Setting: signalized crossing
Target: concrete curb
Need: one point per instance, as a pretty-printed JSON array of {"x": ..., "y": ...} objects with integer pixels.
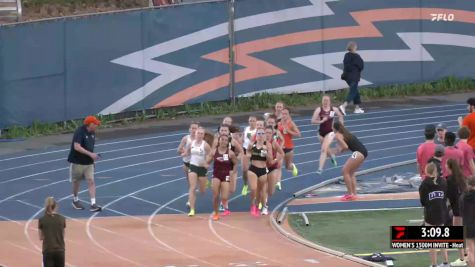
[{"x": 310, "y": 244}]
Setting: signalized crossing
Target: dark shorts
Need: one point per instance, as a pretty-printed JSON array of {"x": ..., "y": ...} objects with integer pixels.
[
  {"x": 454, "y": 205},
  {"x": 53, "y": 259},
  {"x": 272, "y": 168},
  {"x": 469, "y": 231},
  {"x": 288, "y": 150},
  {"x": 200, "y": 171},
  {"x": 323, "y": 134},
  {"x": 187, "y": 164},
  {"x": 258, "y": 171},
  {"x": 223, "y": 177}
]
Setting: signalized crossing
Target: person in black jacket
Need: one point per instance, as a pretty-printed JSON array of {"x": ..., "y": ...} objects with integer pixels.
[
  {"x": 467, "y": 209},
  {"x": 352, "y": 66},
  {"x": 433, "y": 195},
  {"x": 456, "y": 185}
]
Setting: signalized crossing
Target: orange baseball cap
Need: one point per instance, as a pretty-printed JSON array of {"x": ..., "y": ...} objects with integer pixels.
[{"x": 91, "y": 119}]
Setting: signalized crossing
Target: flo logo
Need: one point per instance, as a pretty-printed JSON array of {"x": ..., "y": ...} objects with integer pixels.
[{"x": 443, "y": 17}]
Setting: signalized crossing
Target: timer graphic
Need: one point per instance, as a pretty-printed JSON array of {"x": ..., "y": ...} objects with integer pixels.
[{"x": 427, "y": 237}]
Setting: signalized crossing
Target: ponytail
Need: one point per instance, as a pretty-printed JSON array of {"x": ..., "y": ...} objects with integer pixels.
[
  {"x": 431, "y": 170},
  {"x": 454, "y": 167},
  {"x": 50, "y": 205},
  {"x": 338, "y": 126}
]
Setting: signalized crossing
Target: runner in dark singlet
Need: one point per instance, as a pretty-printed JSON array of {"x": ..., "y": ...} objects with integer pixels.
[
  {"x": 225, "y": 162},
  {"x": 279, "y": 139},
  {"x": 324, "y": 116},
  {"x": 257, "y": 173},
  {"x": 274, "y": 166},
  {"x": 347, "y": 141}
]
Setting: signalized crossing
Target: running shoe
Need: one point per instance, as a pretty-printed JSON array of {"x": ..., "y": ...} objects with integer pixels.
[
  {"x": 333, "y": 160},
  {"x": 319, "y": 172},
  {"x": 278, "y": 185},
  {"x": 264, "y": 210},
  {"x": 191, "y": 213},
  {"x": 215, "y": 216},
  {"x": 346, "y": 197},
  {"x": 244, "y": 190},
  {"x": 295, "y": 171},
  {"x": 77, "y": 205},
  {"x": 458, "y": 262},
  {"x": 256, "y": 211},
  {"x": 444, "y": 265},
  {"x": 359, "y": 111},
  {"x": 226, "y": 212},
  {"x": 221, "y": 207},
  {"x": 342, "y": 109},
  {"x": 260, "y": 206},
  {"x": 95, "y": 208}
]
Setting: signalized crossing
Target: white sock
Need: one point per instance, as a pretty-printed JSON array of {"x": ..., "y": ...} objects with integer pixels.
[
  {"x": 76, "y": 198},
  {"x": 93, "y": 200}
]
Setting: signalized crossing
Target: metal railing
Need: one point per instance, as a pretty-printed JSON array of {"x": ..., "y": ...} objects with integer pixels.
[{"x": 6, "y": 11}]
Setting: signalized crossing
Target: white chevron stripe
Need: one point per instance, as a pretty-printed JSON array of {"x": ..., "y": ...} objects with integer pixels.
[{"x": 169, "y": 73}]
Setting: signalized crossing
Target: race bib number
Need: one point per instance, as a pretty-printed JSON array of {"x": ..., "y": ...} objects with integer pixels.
[
  {"x": 227, "y": 178},
  {"x": 332, "y": 114},
  {"x": 263, "y": 153},
  {"x": 354, "y": 155},
  {"x": 225, "y": 157}
]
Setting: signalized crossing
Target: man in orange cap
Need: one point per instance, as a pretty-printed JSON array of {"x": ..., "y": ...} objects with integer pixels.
[{"x": 82, "y": 158}]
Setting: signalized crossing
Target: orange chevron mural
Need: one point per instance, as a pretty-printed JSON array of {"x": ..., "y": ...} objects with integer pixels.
[{"x": 256, "y": 68}]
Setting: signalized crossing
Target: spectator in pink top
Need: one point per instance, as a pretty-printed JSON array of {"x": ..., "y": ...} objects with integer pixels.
[
  {"x": 451, "y": 152},
  {"x": 468, "y": 166},
  {"x": 426, "y": 150}
]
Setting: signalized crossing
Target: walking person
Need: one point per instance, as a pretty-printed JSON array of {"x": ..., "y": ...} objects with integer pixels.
[
  {"x": 433, "y": 197},
  {"x": 347, "y": 141},
  {"x": 198, "y": 151},
  {"x": 81, "y": 158},
  {"x": 51, "y": 232},
  {"x": 467, "y": 209},
  {"x": 456, "y": 185},
  {"x": 224, "y": 163},
  {"x": 353, "y": 64},
  {"x": 324, "y": 116}
]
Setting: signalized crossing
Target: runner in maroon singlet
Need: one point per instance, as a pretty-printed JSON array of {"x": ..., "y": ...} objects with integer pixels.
[
  {"x": 324, "y": 116},
  {"x": 225, "y": 162}
]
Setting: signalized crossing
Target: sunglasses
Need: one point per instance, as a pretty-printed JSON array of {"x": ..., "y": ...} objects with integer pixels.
[{"x": 260, "y": 133}]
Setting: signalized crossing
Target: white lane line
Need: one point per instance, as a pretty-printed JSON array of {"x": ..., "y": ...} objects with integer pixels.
[
  {"x": 153, "y": 235},
  {"x": 355, "y": 210},
  {"x": 183, "y": 133},
  {"x": 10, "y": 220},
  {"x": 137, "y": 164},
  {"x": 350, "y": 126},
  {"x": 296, "y": 139}
]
